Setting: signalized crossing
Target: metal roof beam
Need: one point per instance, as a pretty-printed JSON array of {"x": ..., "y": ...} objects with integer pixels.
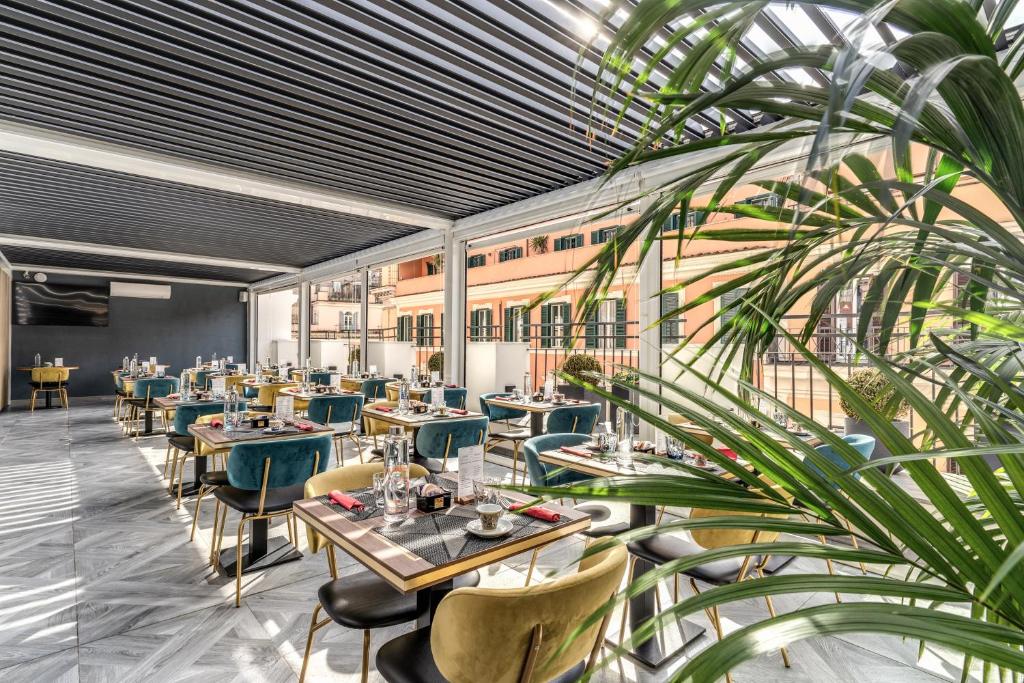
[{"x": 118, "y": 275}]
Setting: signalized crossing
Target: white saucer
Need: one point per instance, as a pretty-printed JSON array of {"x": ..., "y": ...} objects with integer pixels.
[
  {"x": 504, "y": 527},
  {"x": 271, "y": 430}
]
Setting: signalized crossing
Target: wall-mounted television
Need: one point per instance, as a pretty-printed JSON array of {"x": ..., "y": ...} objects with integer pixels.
[{"x": 41, "y": 303}]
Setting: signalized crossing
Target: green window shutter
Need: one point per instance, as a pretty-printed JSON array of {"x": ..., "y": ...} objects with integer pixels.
[
  {"x": 669, "y": 328},
  {"x": 566, "y": 324},
  {"x": 545, "y": 326},
  {"x": 509, "y": 317},
  {"x": 474, "y": 325},
  {"x": 595, "y": 237},
  {"x": 590, "y": 331},
  {"x": 620, "y": 323},
  {"x": 525, "y": 314},
  {"x": 441, "y": 342},
  {"x": 485, "y": 325},
  {"x": 728, "y": 299}
]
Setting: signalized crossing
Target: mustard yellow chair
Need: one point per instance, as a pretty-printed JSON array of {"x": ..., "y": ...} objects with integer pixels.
[
  {"x": 268, "y": 393},
  {"x": 372, "y": 427},
  {"x": 363, "y": 601},
  {"x": 50, "y": 380},
  {"x": 391, "y": 390},
  {"x": 236, "y": 381},
  {"x": 510, "y": 635}
]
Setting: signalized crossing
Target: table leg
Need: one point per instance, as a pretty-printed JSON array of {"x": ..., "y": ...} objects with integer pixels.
[
  {"x": 49, "y": 401},
  {"x": 261, "y": 552},
  {"x": 536, "y": 423},
  {"x": 428, "y": 599},
  {"x": 199, "y": 465},
  {"x": 676, "y": 636},
  {"x": 148, "y": 427}
]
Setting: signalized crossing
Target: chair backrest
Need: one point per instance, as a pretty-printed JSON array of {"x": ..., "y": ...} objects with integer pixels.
[
  {"x": 377, "y": 426},
  {"x": 504, "y": 625},
  {"x": 392, "y": 391},
  {"x": 864, "y": 444},
  {"x": 155, "y": 386},
  {"x": 496, "y": 413},
  {"x": 455, "y": 397},
  {"x": 235, "y": 381},
  {"x": 321, "y": 378},
  {"x": 268, "y": 392},
  {"x": 573, "y": 419},
  {"x": 187, "y": 413},
  {"x": 233, "y": 366},
  {"x": 291, "y": 462},
  {"x": 348, "y": 478},
  {"x": 435, "y": 439},
  {"x": 203, "y": 378},
  {"x": 374, "y": 389},
  {"x": 50, "y": 375},
  {"x": 334, "y": 409},
  {"x": 540, "y": 473}
]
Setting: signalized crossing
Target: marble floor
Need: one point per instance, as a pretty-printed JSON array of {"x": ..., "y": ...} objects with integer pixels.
[{"x": 99, "y": 582}]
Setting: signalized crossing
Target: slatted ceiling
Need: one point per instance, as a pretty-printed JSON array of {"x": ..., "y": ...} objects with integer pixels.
[
  {"x": 64, "y": 259},
  {"x": 57, "y": 200}
]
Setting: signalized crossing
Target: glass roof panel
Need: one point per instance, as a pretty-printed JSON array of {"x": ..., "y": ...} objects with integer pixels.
[{"x": 797, "y": 21}]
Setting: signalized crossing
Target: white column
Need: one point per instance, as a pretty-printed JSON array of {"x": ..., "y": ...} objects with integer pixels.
[
  {"x": 454, "y": 309},
  {"x": 364, "y": 314},
  {"x": 304, "y": 297},
  {"x": 648, "y": 286},
  {"x": 251, "y": 331}
]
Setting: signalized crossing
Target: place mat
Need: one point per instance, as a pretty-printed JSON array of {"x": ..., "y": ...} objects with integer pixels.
[
  {"x": 441, "y": 538},
  {"x": 364, "y": 496},
  {"x": 250, "y": 434}
]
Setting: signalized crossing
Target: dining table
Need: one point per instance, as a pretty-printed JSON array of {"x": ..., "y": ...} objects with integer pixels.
[
  {"x": 659, "y": 651},
  {"x": 46, "y": 394},
  {"x": 302, "y": 397},
  {"x": 416, "y": 393},
  {"x": 536, "y": 409},
  {"x": 260, "y": 552},
  {"x": 427, "y": 551}
]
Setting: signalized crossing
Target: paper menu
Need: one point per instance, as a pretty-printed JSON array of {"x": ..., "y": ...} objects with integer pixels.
[
  {"x": 152, "y": 361},
  {"x": 58, "y": 362},
  {"x": 284, "y": 407},
  {"x": 218, "y": 385},
  {"x": 471, "y": 468}
]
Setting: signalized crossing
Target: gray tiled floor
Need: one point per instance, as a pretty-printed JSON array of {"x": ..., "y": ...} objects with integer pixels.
[{"x": 99, "y": 582}]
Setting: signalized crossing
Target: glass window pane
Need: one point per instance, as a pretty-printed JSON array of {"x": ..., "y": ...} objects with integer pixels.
[{"x": 277, "y": 327}]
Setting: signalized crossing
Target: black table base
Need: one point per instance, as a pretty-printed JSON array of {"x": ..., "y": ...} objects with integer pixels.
[
  {"x": 665, "y": 646},
  {"x": 536, "y": 423},
  {"x": 192, "y": 488},
  {"x": 428, "y": 599},
  {"x": 260, "y": 552}
]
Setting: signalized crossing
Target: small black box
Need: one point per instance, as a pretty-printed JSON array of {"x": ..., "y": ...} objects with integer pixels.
[{"x": 435, "y": 503}]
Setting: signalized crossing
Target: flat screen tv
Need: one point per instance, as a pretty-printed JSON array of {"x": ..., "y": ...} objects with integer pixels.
[{"x": 40, "y": 303}]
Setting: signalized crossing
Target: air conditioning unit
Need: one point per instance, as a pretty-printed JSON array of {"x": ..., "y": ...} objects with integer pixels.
[{"x": 138, "y": 290}]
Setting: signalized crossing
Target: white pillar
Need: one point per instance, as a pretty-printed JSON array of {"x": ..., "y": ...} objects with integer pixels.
[
  {"x": 454, "y": 309},
  {"x": 364, "y": 312},
  {"x": 648, "y": 286},
  {"x": 251, "y": 331},
  {"x": 304, "y": 297}
]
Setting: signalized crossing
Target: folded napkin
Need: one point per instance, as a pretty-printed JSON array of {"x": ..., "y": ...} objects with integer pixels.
[
  {"x": 575, "y": 451},
  {"x": 304, "y": 426},
  {"x": 384, "y": 409},
  {"x": 173, "y": 395},
  {"x": 345, "y": 501},
  {"x": 458, "y": 411},
  {"x": 728, "y": 452},
  {"x": 538, "y": 512},
  {"x": 216, "y": 423},
  {"x": 451, "y": 386}
]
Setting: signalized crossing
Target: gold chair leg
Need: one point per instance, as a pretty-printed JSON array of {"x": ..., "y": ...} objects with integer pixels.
[
  {"x": 515, "y": 462},
  {"x": 32, "y": 409},
  {"x": 855, "y": 544},
  {"x": 625, "y": 604},
  {"x": 238, "y": 563},
  {"x": 174, "y": 470},
  {"x": 288, "y": 525},
  {"x": 771, "y": 612},
  {"x": 366, "y": 655},
  {"x": 831, "y": 569},
  {"x": 195, "y": 519},
  {"x": 181, "y": 481},
  {"x": 314, "y": 626},
  {"x": 533, "y": 563},
  {"x": 220, "y": 514}
]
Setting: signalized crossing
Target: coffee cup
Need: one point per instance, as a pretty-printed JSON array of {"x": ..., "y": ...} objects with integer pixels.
[{"x": 489, "y": 514}]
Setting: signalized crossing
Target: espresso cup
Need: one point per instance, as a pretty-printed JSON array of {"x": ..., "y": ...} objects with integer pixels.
[{"x": 489, "y": 515}]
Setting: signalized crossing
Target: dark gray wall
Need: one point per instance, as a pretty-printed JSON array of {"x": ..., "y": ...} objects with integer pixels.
[{"x": 196, "y": 320}]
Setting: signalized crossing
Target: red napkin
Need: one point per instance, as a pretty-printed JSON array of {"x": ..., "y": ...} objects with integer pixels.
[
  {"x": 575, "y": 451},
  {"x": 173, "y": 395},
  {"x": 458, "y": 411},
  {"x": 216, "y": 423},
  {"x": 728, "y": 452},
  {"x": 538, "y": 512},
  {"x": 384, "y": 409},
  {"x": 345, "y": 501},
  {"x": 304, "y": 426},
  {"x": 451, "y": 386}
]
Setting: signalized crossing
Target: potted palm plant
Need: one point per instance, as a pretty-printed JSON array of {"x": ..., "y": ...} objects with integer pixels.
[
  {"x": 880, "y": 393},
  {"x": 435, "y": 363},
  {"x": 582, "y": 368}
]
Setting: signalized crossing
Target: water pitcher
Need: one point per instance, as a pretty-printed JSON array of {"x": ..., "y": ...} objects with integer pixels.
[
  {"x": 396, "y": 476},
  {"x": 403, "y": 397}
]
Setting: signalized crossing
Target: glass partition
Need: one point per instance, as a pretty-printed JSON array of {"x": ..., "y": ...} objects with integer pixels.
[
  {"x": 335, "y": 321},
  {"x": 277, "y": 327}
]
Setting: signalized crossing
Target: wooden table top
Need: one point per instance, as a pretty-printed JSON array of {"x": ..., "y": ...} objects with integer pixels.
[
  {"x": 409, "y": 572},
  {"x": 30, "y": 368},
  {"x": 256, "y": 382},
  {"x": 219, "y": 439},
  {"x": 534, "y": 407},
  {"x": 297, "y": 392},
  {"x": 166, "y": 402},
  {"x": 597, "y": 466},
  {"x": 412, "y": 390},
  {"x": 806, "y": 436},
  {"x": 411, "y": 419}
]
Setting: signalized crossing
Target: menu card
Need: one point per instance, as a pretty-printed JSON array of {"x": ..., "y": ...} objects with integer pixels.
[
  {"x": 437, "y": 396},
  {"x": 218, "y": 385},
  {"x": 231, "y": 359},
  {"x": 336, "y": 380},
  {"x": 152, "y": 361},
  {"x": 471, "y": 468},
  {"x": 58, "y": 362},
  {"x": 284, "y": 407},
  {"x": 435, "y": 376}
]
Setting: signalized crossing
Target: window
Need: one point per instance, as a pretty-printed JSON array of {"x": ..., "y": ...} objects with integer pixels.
[
  {"x": 480, "y": 325},
  {"x": 347, "y": 321},
  {"x": 603, "y": 235},
  {"x": 693, "y": 218},
  {"x": 435, "y": 264},
  {"x": 510, "y": 254},
  {"x": 671, "y": 223},
  {"x": 671, "y": 329},
  {"x": 517, "y": 324},
  {"x": 726, "y": 304},
  {"x": 476, "y": 260},
  {"x": 555, "y": 325},
  {"x": 568, "y": 242},
  {"x": 606, "y": 328},
  {"x": 425, "y": 329},
  {"x": 403, "y": 329},
  {"x": 768, "y": 200}
]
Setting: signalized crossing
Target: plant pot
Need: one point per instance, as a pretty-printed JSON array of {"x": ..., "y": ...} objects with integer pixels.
[
  {"x": 571, "y": 391},
  {"x": 861, "y": 427},
  {"x": 626, "y": 395}
]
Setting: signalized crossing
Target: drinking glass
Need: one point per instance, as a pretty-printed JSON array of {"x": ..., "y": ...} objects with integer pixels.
[
  {"x": 780, "y": 419},
  {"x": 673, "y": 448},
  {"x": 378, "y": 488}
]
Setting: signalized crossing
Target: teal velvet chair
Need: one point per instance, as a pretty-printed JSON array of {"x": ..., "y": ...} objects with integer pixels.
[
  {"x": 573, "y": 419},
  {"x": 864, "y": 444},
  {"x": 144, "y": 391},
  {"x": 343, "y": 413},
  {"x": 233, "y": 366},
  {"x": 203, "y": 378},
  {"x": 264, "y": 479},
  {"x": 542, "y": 474},
  {"x": 374, "y": 389},
  {"x": 321, "y": 378},
  {"x": 442, "y": 440},
  {"x": 455, "y": 397},
  {"x": 250, "y": 391},
  {"x": 507, "y": 415}
]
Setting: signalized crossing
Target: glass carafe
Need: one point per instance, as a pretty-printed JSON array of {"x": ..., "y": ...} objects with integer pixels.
[
  {"x": 403, "y": 397},
  {"x": 624, "y": 430},
  {"x": 396, "y": 476},
  {"x": 185, "y": 385}
]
